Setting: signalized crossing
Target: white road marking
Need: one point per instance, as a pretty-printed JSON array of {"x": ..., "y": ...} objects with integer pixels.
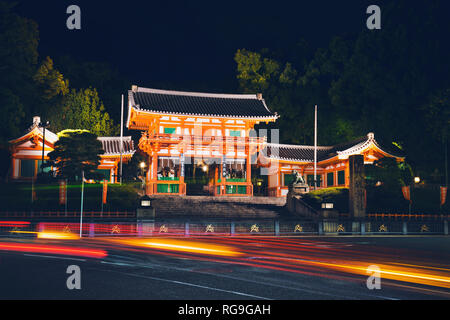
[
  {"x": 300, "y": 289},
  {"x": 52, "y": 257},
  {"x": 194, "y": 285}
]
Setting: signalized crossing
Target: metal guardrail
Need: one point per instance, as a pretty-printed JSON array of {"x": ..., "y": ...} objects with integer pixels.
[
  {"x": 251, "y": 228},
  {"x": 68, "y": 214}
]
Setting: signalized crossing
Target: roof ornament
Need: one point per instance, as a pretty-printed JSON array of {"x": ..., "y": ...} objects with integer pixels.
[
  {"x": 36, "y": 121},
  {"x": 371, "y": 136}
]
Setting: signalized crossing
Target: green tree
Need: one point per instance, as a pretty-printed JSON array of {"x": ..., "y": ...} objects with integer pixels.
[
  {"x": 12, "y": 114},
  {"x": 19, "y": 38},
  {"x": 392, "y": 174},
  {"x": 437, "y": 114},
  {"x": 254, "y": 70},
  {"x": 50, "y": 81},
  {"x": 83, "y": 109},
  {"x": 100, "y": 75},
  {"x": 132, "y": 170},
  {"x": 368, "y": 82},
  {"x": 76, "y": 151},
  {"x": 293, "y": 90}
]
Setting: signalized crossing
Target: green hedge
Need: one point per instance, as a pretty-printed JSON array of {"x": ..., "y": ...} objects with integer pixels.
[
  {"x": 425, "y": 200},
  {"x": 338, "y": 196},
  {"x": 17, "y": 197}
]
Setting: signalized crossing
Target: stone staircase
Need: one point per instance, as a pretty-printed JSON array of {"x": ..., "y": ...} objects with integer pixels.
[{"x": 218, "y": 207}]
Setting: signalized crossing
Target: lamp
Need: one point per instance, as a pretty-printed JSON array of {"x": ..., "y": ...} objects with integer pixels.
[
  {"x": 327, "y": 205},
  {"x": 145, "y": 202},
  {"x": 145, "y": 209}
]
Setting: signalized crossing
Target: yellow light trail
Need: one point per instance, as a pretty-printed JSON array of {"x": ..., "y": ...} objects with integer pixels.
[
  {"x": 406, "y": 275},
  {"x": 51, "y": 235},
  {"x": 181, "y": 245}
]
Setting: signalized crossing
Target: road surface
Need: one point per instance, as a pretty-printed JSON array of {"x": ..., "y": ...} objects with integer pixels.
[{"x": 226, "y": 268}]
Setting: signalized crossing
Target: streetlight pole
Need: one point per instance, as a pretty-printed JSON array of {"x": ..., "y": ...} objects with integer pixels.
[
  {"x": 81, "y": 210},
  {"x": 446, "y": 158},
  {"x": 121, "y": 140},
  {"x": 315, "y": 147},
  {"x": 43, "y": 126}
]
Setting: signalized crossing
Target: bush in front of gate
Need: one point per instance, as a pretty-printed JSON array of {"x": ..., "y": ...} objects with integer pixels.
[
  {"x": 337, "y": 195},
  {"x": 425, "y": 200},
  {"x": 17, "y": 197}
]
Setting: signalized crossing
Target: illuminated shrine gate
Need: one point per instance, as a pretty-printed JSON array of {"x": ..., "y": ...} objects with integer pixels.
[{"x": 181, "y": 128}]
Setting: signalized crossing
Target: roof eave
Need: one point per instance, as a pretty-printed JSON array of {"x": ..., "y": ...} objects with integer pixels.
[{"x": 257, "y": 118}]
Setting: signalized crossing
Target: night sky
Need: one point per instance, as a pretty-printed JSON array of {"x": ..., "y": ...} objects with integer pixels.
[{"x": 187, "y": 41}]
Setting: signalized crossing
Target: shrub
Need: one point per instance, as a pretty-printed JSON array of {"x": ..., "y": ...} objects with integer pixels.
[
  {"x": 17, "y": 197},
  {"x": 338, "y": 196}
]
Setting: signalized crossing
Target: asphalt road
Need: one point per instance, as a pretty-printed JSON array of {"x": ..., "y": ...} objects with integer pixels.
[{"x": 233, "y": 268}]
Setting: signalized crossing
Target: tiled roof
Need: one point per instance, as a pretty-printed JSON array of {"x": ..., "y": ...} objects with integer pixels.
[
  {"x": 194, "y": 103},
  {"x": 111, "y": 145},
  {"x": 306, "y": 153},
  {"x": 295, "y": 152}
]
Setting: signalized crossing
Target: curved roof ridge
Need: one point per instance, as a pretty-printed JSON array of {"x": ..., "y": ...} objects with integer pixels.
[
  {"x": 179, "y": 103},
  {"x": 298, "y": 146},
  {"x": 114, "y": 138},
  {"x": 198, "y": 94}
]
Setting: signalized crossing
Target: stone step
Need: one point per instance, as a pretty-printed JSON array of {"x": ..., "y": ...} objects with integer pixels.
[{"x": 206, "y": 206}]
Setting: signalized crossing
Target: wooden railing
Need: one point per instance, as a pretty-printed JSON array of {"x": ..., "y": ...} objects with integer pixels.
[
  {"x": 402, "y": 216},
  {"x": 176, "y": 138},
  {"x": 152, "y": 187}
]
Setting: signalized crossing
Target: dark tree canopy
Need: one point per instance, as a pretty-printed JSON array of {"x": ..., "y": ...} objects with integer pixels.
[
  {"x": 82, "y": 109},
  {"x": 394, "y": 82},
  {"x": 76, "y": 151},
  {"x": 19, "y": 38}
]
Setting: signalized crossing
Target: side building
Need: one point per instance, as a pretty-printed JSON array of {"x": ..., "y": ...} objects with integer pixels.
[
  {"x": 332, "y": 162},
  {"x": 26, "y": 153}
]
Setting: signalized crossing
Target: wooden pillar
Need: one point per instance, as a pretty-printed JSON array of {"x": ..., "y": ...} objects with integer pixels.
[
  {"x": 222, "y": 178},
  {"x": 181, "y": 187},
  {"x": 216, "y": 177},
  {"x": 356, "y": 197},
  {"x": 224, "y": 152},
  {"x": 249, "y": 172},
  {"x": 152, "y": 174},
  {"x": 182, "y": 159},
  {"x": 155, "y": 167},
  {"x": 279, "y": 180},
  {"x": 347, "y": 174},
  {"x": 148, "y": 178},
  {"x": 13, "y": 166}
]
